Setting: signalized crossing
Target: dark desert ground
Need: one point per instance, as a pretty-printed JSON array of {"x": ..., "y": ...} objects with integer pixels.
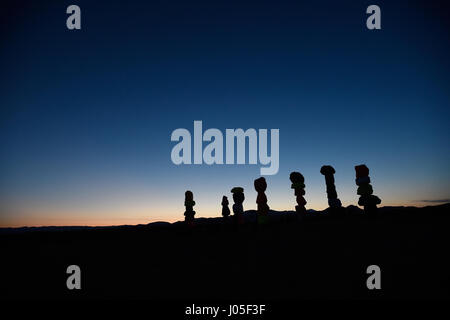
[{"x": 321, "y": 256}]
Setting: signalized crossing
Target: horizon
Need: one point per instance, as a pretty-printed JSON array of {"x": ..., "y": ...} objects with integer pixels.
[{"x": 146, "y": 222}]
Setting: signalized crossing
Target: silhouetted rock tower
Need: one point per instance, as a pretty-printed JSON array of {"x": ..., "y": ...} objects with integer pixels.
[
  {"x": 366, "y": 199},
  {"x": 225, "y": 209},
  {"x": 189, "y": 203},
  {"x": 261, "y": 199},
  {"x": 238, "y": 198},
  {"x": 298, "y": 184},
  {"x": 333, "y": 201}
]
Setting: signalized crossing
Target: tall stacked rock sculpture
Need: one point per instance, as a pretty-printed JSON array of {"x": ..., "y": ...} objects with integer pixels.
[
  {"x": 238, "y": 198},
  {"x": 261, "y": 200},
  {"x": 365, "y": 190},
  {"x": 333, "y": 201},
  {"x": 298, "y": 184},
  {"x": 225, "y": 209},
  {"x": 189, "y": 203}
]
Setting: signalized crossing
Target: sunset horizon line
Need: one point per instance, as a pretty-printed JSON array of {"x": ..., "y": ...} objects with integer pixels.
[{"x": 428, "y": 203}]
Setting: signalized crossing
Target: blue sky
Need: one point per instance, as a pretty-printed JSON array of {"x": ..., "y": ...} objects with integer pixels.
[{"x": 86, "y": 115}]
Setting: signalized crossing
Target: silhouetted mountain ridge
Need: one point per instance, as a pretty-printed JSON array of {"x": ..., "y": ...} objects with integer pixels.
[{"x": 249, "y": 217}]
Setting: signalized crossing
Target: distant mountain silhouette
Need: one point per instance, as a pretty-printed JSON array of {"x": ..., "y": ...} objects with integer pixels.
[{"x": 249, "y": 217}]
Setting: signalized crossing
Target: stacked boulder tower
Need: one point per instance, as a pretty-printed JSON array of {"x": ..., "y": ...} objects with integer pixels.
[
  {"x": 298, "y": 184},
  {"x": 225, "y": 209},
  {"x": 189, "y": 203},
  {"x": 365, "y": 190},
  {"x": 333, "y": 200},
  {"x": 238, "y": 208},
  {"x": 261, "y": 200}
]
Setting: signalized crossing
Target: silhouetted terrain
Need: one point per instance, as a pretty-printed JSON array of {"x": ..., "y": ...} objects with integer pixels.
[{"x": 322, "y": 256}]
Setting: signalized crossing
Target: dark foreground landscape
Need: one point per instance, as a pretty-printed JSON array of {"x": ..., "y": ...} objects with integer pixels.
[{"x": 321, "y": 256}]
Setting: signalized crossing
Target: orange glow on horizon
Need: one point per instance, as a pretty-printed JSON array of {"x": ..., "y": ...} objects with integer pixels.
[{"x": 136, "y": 217}]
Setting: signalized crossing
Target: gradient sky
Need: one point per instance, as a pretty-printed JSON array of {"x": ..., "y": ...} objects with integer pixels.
[{"x": 86, "y": 116}]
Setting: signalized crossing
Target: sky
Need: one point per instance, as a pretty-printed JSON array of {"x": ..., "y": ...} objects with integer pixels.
[{"x": 86, "y": 115}]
